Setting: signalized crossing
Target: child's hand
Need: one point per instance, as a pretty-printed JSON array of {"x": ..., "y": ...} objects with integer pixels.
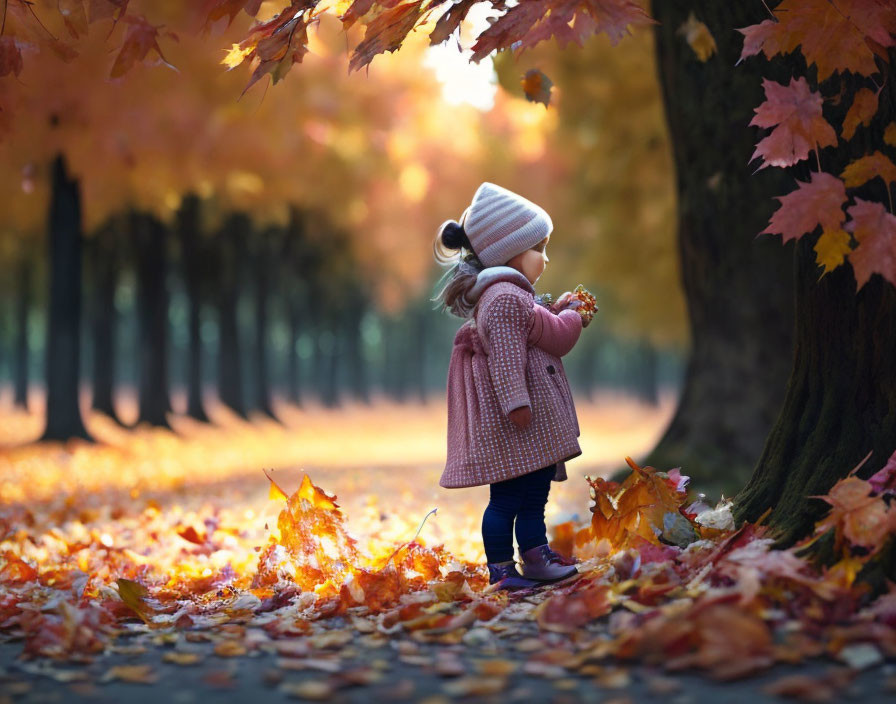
[
  {"x": 521, "y": 416},
  {"x": 564, "y": 301}
]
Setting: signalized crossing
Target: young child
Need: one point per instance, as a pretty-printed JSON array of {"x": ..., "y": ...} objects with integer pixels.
[{"x": 511, "y": 419}]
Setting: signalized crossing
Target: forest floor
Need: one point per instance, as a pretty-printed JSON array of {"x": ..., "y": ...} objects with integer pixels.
[{"x": 194, "y": 506}]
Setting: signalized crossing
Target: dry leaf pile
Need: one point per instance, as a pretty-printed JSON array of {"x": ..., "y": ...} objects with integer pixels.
[{"x": 661, "y": 581}]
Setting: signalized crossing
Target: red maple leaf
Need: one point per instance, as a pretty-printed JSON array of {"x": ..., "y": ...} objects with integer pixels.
[
  {"x": 795, "y": 113},
  {"x": 875, "y": 230},
  {"x": 532, "y": 21},
  {"x": 818, "y": 202},
  {"x": 141, "y": 38}
]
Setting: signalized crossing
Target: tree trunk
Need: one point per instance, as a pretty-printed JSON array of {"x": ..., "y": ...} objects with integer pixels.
[
  {"x": 841, "y": 397},
  {"x": 262, "y": 266},
  {"x": 354, "y": 357},
  {"x": 645, "y": 377},
  {"x": 104, "y": 266},
  {"x": 231, "y": 250},
  {"x": 149, "y": 237},
  {"x": 21, "y": 356},
  {"x": 191, "y": 251},
  {"x": 293, "y": 373},
  {"x": 741, "y": 332},
  {"x": 64, "y": 316}
]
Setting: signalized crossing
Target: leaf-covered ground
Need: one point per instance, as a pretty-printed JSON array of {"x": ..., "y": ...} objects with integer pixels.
[{"x": 106, "y": 579}]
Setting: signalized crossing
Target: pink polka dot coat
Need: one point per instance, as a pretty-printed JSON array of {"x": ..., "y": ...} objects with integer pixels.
[{"x": 507, "y": 356}]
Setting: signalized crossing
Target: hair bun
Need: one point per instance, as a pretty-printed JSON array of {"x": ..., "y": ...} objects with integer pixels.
[{"x": 453, "y": 235}]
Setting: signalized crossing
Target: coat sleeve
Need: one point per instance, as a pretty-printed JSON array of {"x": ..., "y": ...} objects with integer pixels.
[
  {"x": 506, "y": 326},
  {"x": 555, "y": 334}
]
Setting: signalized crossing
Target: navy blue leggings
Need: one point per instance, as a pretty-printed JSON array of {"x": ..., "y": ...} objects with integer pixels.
[{"x": 521, "y": 498}]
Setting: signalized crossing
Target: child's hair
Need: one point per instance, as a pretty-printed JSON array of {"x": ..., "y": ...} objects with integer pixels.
[{"x": 452, "y": 246}]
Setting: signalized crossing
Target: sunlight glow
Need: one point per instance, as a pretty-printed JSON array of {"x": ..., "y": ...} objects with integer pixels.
[{"x": 464, "y": 82}]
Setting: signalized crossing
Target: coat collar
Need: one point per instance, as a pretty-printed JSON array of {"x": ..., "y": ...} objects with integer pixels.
[{"x": 494, "y": 274}]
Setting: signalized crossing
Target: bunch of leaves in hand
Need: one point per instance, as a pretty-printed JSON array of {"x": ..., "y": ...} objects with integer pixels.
[{"x": 588, "y": 306}]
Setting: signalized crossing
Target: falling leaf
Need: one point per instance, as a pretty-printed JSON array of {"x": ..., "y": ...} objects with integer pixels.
[
  {"x": 698, "y": 37},
  {"x": 794, "y": 111},
  {"x": 537, "y": 87},
  {"x": 10, "y": 57},
  {"x": 74, "y": 16},
  {"x": 832, "y": 248},
  {"x": 884, "y": 480}
]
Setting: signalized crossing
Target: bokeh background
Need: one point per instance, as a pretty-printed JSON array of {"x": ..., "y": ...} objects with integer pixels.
[{"x": 257, "y": 268}]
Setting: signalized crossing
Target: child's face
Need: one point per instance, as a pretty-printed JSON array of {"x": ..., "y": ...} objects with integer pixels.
[{"x": 532, "y": 262}]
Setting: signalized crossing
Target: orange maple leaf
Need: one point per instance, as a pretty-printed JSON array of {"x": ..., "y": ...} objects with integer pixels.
[
  {"x": 818, "y": 202},
  {"x": 863, "y": 108},
  {"x": 835, "y": 35},
  {"x": 875, "y": 230},
  {"x": 868, "y": 167},
  {"x": 795, "y": 113}
]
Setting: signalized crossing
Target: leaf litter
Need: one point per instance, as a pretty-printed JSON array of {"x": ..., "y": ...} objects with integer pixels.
[{"x": 661, "y": 582}]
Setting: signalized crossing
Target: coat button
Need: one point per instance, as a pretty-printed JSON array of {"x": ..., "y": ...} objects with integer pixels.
[{"x": 551, "y": 369}]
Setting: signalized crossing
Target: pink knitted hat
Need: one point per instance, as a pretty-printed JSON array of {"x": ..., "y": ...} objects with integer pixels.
[{"x": 501, "y": 224}]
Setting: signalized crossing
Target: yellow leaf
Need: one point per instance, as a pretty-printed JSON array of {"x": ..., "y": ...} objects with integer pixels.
[
  {"x": 863, "y": 108},
  {"x": 276, "y": 493},
  {"x": 698, "y": 37},
  {"x": 890, "y": 134},
  {"x": 866, "y": 168},
  {"x": 831, "y": 249},
  {"x": 237, "y": 55}
]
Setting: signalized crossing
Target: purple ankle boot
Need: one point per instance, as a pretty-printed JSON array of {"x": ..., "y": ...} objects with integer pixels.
[
  {"x": 544, "y": 565},
  {"x": 504, "y": 574}
]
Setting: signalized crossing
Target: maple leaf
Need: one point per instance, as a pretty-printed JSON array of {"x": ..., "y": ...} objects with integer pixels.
[
  {"x": 355, "y": 11},
  {"x": 532, "y": 21},
  {"x": 74, "y": 16},
  {"x": 890, "y": 134},
  {"x": 868, "y": 167},
  {"x": 795, "y": 113},
  {"x": 213, "y": 10},
  {"x": 30, "y": 29},
  {"x": 818, "y": 202},
  {"x": 278, "y": 43},
  {"x": 863, "y": 108},
  {"x": 831, "y": 249},
  {"x": 698, "y": 37},
  {"x": 450, "y": 21},
  {"x": 140, "y": 39},
  {"x": 537, "y": 87},
  {"x": 857, "y": 515},
  {"x": 10, "y": 57},
  {"x": 105, "y": 9},
  {"x": 832, "y": 34},
  {"x": 884, "y": 480},
  {"x": 565, "y": 613},
  {"x": 875, "y": 231},
  {"x": 386, "y": 33}
]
